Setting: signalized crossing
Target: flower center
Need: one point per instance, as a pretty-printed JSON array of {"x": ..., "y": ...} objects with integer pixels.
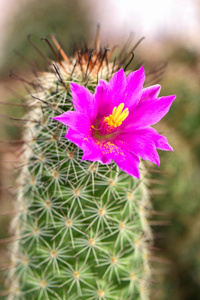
[
  {"x": 117, "y": 117},
  {"x": 107, "y": 127}
]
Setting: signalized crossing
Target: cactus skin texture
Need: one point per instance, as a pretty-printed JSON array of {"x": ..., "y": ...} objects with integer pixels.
[{"x": 82, "y": 229}]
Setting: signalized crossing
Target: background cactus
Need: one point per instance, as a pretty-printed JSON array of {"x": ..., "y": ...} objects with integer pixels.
[{"x": 82, "y": 230}]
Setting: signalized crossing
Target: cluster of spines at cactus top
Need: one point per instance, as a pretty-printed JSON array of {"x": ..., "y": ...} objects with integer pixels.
[{"x": 82, "y": 230}]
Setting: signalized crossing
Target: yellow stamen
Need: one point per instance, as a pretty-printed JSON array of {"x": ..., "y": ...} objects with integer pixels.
[{"x": 118, "y": 116}]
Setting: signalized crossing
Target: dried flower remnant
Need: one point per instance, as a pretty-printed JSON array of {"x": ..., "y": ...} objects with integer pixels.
[{"x": 114, "y": 122}]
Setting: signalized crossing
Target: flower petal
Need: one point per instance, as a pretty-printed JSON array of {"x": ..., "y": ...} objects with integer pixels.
[
  {"x": 74, "y": 137},
  {"x": 151, "y": 92},
  {"x": 129, "y": 165},
  {"x": 139, "y": 143},
  {"x": 102, "y": 101},
  {"x": 117, "y": 84},
  {"x": 159, "y": 140},
  {"x": 148, "y": 112},
  {"x": 135, "y": 82},
  {"x": 76, "y": 121},
  {"x": 119, "y": 90},
  {"x": 111, "y": 94},
  {"x": 127, "y": 162},
  {"x": 91, "y": 150},
  {"x": 83, "y": 100}
]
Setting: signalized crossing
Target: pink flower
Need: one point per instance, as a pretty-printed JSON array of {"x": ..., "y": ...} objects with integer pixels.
[{"x": 114, "y": 123}]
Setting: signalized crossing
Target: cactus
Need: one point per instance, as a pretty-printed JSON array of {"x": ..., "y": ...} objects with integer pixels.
[{"x": 82, "y": 230}]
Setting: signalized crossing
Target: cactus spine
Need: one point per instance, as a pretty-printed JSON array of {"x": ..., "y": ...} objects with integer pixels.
[{"x": 82, "y": 229}]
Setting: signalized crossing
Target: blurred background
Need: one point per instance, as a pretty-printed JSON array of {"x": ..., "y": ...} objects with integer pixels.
[{"x": 171, "y": 29}]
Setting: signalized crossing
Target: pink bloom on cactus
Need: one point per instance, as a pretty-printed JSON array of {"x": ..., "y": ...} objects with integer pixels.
[{"x": 114, "y": 122}]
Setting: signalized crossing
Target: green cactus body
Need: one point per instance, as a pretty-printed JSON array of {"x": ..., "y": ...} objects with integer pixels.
[{"x": 82, "y": 230}]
